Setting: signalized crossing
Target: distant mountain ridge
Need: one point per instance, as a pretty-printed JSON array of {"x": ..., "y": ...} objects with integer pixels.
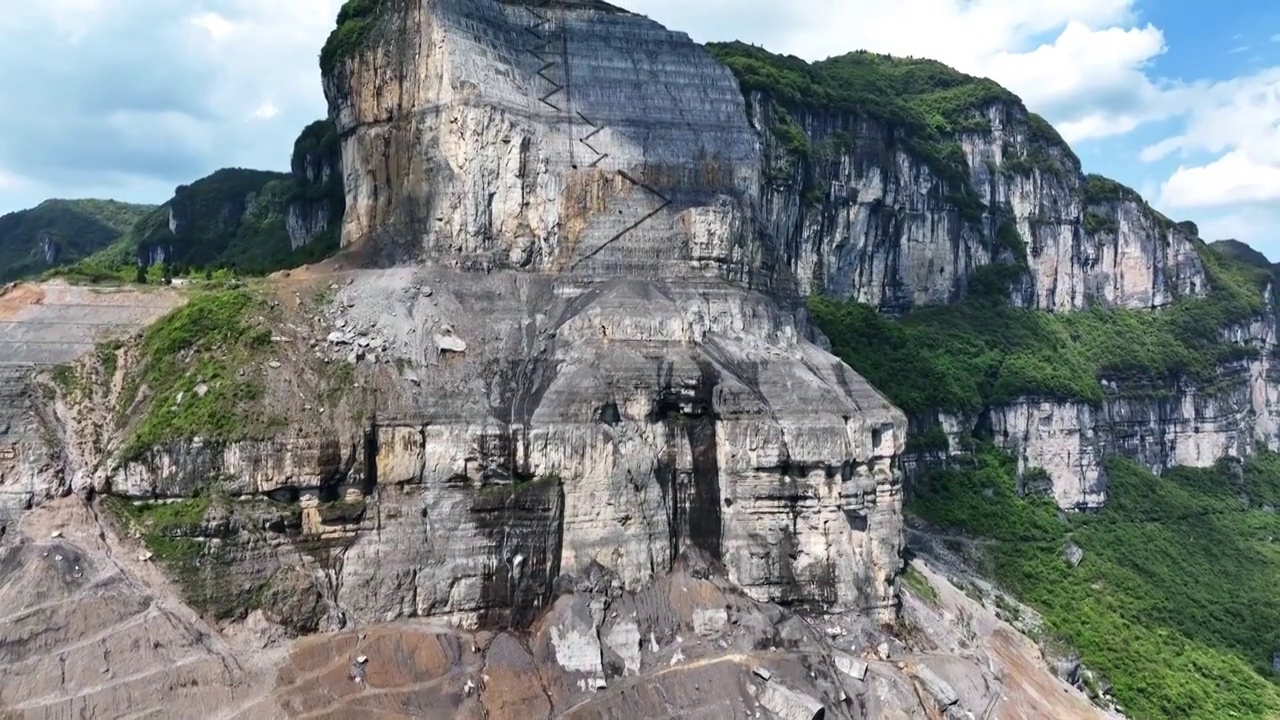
[
  {"x": 251, "y": 222},
  {"x": 60, "y": 232}
]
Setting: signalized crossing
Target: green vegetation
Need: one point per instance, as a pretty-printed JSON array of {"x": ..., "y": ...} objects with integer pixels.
[
  {"x": 1046, "y": 151},
  {"x": 355, "y": 24},
  {"x": 234, "y": 221},
  {"x": 76, "y": 228},
  {"x": 1239, "y": 252},
  {"x": 1174, "y": 601},
  {"x": 1098, "y": 191},
  {"x": 919, "y": 585},
  {"x": 928, "y": 104},
  {"x": 67, "y": 379},
  {"x": 979, "y": 352},
  {"x": 198, "y": 376}
]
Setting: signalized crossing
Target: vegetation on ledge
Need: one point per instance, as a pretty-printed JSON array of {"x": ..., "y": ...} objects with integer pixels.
[
  {"x": 355, "y": 23},
  {"x": 200, "y": 374},
  {"x": 928, "y": 104},
  {"x": 980, "y": 352},
  {"x": 1174, "y": 600}
]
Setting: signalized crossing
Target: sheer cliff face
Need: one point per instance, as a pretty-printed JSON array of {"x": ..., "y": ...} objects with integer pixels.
[
  {"x": 1160, "y": 428},
  {"x": 567, "y": 138},
  {"x": 596, "y": 431},
  {"x": 609, "y": 393},
  {"x": 867, "y": 220}
]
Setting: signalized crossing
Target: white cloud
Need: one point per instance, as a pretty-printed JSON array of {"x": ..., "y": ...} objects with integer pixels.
[
  {"x": 9, "y": 181},
  {"x": 1232, "y": 179},
  {"x": 265, "y": 111},
  {"x": 218, "y": 27},
  {"x": 134, "y": 95},
  {"x": 1237, "y": 121},
  {"x": 1081, "y": 63}
]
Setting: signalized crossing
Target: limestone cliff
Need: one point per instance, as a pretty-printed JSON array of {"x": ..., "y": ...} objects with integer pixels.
[
  {"x": 315, "y": 208},
  {"x": 584, "y": 373},
  {"x": 249, "y": 220},
  {"x": 903, "y": 184},
  {"x": 893, "y": 182},
  {"x": 549, "y": 137}
]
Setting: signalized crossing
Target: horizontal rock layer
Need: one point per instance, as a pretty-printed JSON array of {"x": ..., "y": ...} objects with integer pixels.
[
  {"x": 554, "y": 138},
  {"x": 1159, "y": 427},
  {"x": 583, "y": 426}
]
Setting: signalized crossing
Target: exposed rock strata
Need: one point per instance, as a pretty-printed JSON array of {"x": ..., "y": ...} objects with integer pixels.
[
  {"x": 1159, "y": 427},
  {"x": 883, "y": 230},
  {"x": 611, "y": 425},
  {"x": 90, "y": 629},
  {"x": 556, "y": 138}
]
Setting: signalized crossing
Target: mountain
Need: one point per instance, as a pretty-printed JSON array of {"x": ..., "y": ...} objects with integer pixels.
[
  {"x": 251, "y": 222},
  {"x": 61, "y": 232},
  {"x": 681, "y": 379}
]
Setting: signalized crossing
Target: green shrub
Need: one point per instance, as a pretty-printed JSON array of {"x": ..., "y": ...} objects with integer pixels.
[
  {"x": 966, "y": 356},
  {"x": 1174, "y": 601},
  {"x": 928, "y": 104},
  {"x": 354, "y": 26},
  {"x": 197, "y": 366}
]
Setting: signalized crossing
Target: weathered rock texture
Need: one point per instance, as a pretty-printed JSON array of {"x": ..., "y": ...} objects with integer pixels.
[
  {"x": 92, "y": 630},
  {"x": 870, "y": 221},
  {"x": 607, "y": 425},
  {"x": 643, "y": 401},
  {"x": 43, "y": 326},
  {"x": 316, "y": 206},
  {"x": 1158, "y": 426},
  {"x": 565, "y": 137}
]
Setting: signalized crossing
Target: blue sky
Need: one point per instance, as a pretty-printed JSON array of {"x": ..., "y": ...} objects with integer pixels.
[{"x": 1179, "y": 99}]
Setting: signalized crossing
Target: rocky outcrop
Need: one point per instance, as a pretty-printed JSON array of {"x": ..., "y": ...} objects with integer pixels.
[
  {"x": 860, "y": 214},
  {"x": 1158, "y": 426},
  {"x": 91, "y": 630},
  {"x": 318, "y": 203},
  {"x": 43, "y": 327},
  {"x": 251, "y": 221},
  {"x": 584, "y": 428},
  {"x": 571, "y": 138},
  {"x": 641, "y": 401}
]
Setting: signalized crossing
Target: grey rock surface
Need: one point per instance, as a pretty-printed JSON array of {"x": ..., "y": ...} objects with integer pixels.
[
  {"x": 1191, "y": 426},
  {"x": 92, "y": 629},
  {"x": 886, "y": 231},
  {"x": 599, "y": 425},
  {"x": 562, "y": 137}
]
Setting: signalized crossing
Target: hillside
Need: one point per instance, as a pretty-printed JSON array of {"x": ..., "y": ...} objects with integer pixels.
[
  {"x": 249, "y": 222},
  {"x": 61, "y": 232}
]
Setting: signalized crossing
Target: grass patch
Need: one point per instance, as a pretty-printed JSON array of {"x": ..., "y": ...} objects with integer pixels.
[
  {"x": 67, "y": 378},
  {"x": 198, "y": 372},
  {"x": 1174, "y": 601},
  {"x": 919, "y": 585},
  {"x": 204, "y": 570},
  {"x": 967, "y": 356}
]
